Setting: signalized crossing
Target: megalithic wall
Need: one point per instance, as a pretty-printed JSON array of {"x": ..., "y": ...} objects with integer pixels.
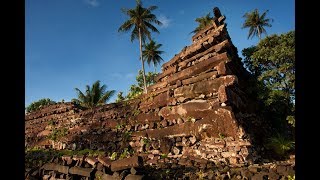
[{"x": 197, "y": 108}]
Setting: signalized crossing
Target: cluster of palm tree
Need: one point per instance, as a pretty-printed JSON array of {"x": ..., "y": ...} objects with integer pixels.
[{"x": 141, "y": 23}]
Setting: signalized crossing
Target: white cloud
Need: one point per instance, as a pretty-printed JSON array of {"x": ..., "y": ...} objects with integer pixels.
[
  {"x": 165, "y": 21},
  {"x": 93, "y": 3}
]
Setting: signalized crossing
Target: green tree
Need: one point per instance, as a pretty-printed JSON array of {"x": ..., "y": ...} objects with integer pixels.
[
  {"x": 38, "y": 104},
  {"x": 203, "y": 22},
  {"x": 256, "y": 23},
  {"x": 120, "y": 97},
  {"x": 93, "y": 96},
  {"x": 272, "y": 62},
  {"x": 141, "y": 22},
  {"x": 136, "y": 89},
  {"x": 151, "y": 54}
]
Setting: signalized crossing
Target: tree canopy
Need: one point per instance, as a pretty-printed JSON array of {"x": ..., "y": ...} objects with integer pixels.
[
  {"x": 151, "y": 53},
  {"x": 141, "y": 22},
  {"x": 137, "y": 89},
  {"x": 203, "y": 22},
  {"x": 256, "y": 23},
  {"x": 38, "y": 104},
  {"x": 272, "y": 63},
  {"x": 93, "y": 96}
]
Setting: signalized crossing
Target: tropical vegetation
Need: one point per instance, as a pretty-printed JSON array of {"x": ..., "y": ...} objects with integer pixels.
[
  {"x": 203, "y": 22},
  {"x": 36, "y": 105},
  {"x": 272, "y": 66},
  {"x": 141, "y": 22},
  {"x": 93, "y": 96},
  {"x": 256, "y": 23},
  {"x": 151, "y": 54},
  {"x": 137, "y": 89}
]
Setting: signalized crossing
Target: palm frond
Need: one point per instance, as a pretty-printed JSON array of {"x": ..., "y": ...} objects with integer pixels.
[{"x": 106, "y": 96}]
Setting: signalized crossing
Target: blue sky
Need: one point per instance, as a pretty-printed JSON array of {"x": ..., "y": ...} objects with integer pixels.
[{"x": 72, "y": 43}]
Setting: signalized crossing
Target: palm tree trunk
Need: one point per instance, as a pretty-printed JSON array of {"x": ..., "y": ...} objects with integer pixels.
[
  {"x": 259, "y": 35},
  {"x": 155, "y": 69},
  {"x": 142, "y": 62}
]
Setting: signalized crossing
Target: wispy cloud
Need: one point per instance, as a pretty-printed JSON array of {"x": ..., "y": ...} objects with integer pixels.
[
  {"x": 165, "y": 21},
  {"x": 181, "y": 12},
  {"x": 93, "y": 3}
]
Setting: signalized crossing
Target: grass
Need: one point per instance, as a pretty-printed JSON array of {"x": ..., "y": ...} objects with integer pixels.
[
  {"x": 163, "y": 156},
  {"x": 280, "y": 144}
]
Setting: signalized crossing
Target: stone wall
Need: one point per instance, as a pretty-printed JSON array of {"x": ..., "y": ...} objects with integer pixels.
[
  {"x": 86, "y": 167},
  {"x": 197, "y": 109}
]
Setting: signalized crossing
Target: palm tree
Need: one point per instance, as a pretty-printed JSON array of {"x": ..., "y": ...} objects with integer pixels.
[
  {"x": 256, "y": 23},
  {"x": 152, "y": 54},
  {"x": 203, "y": 23},
  {"x": 94, "y": 96},
  {"x": 140, "y": 21}
]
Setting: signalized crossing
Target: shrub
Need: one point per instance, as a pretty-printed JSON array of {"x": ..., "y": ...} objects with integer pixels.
[{"x": 280, "y": 144}]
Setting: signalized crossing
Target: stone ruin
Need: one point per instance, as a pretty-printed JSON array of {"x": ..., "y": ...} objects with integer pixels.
[{"x": 197, "y": 115}]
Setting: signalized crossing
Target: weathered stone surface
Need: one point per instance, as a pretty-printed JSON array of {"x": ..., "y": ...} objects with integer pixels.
[
  {"x": 171, "y": 62},
  {"x": 213, "y": 122},
  {"x": 222, "y": 94},
  {"x": 193, "y": 139},
  {"x": 176, "y": 150},
  {"x": 107, "y": 177},
  {"x": 92, "y": 161},
  {"x": 187, "y": 109},
  {"x": 67, "y": 159},
  {"x": 157, "y": 85},
  {"x": 190, "y": 50},
  {"x": 196, "y": 36},
  {"x": 222, "y": 69},
  {"x": 133, "y": 170},
  {"x": 160, "y": 100},
  {"x": 44, "y": 133},
  {"x": 170, "y": 70},
  {"x": 127, "y": 163},
  {"x": 196, "y": 69},
  {"x": 165, "y": 145},
  {"x": 81, "y": 171},
  {"x": 215, "y": 145},
  {"x": 146, "y": 117},
  {"x": 199, "y": 78},
  {"x": 204, "y": 87},
  {"x": 134, "y": 177},
  {"x": 217, "y": 48},
  {"x": 56, "y": 167}
]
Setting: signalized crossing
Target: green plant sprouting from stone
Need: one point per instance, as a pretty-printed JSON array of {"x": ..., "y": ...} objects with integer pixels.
[
  {"x": 221, "y": 136},
  {"x": 146, "y": 141},
  {"x": 191, "y": 119},
  {"x": 126, "y": 136},
  {"x": 163, "y": 156},
  {"x": 124, "y": 154},
  {"x": 57, "y": 133},
  {"x": 113, "y": 156},
  {"x": 136, "y": 112}
]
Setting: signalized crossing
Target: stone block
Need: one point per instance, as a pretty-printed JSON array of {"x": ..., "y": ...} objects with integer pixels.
[{"x": 127, "y": 163}]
